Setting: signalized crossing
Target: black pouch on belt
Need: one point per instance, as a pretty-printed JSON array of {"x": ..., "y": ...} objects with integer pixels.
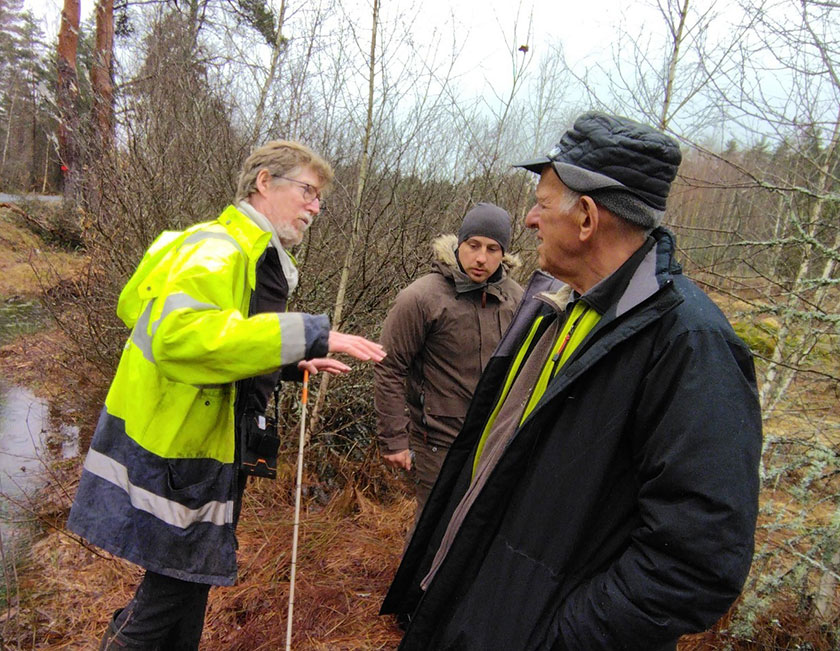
[{"x": 258, "y": 445}]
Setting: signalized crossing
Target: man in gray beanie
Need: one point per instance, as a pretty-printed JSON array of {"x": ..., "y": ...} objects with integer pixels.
[
  {"x": 439, "y": 334},
  {"x": 603, "y": 490}
]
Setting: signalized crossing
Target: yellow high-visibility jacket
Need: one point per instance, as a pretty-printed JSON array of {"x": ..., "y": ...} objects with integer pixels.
[{"x": 160, "y": 480}]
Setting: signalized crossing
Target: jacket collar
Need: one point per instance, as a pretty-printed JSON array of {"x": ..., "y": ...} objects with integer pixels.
[
  {"x": 654, "y": 270},
  {"x": 645, "y": 277},
  {"x": 251, "y": 237},
  {"x": 639, "y": 278},
  {"x": 287, "y": 262}
]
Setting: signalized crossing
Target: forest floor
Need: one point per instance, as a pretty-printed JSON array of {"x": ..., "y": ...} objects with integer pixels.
[{"x": 64, "y": 591}]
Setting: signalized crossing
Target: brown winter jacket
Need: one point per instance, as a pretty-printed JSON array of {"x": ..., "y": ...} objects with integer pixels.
[{"x": 438, "y": 341}]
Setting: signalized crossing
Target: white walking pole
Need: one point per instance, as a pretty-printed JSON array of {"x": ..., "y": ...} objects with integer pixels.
[{"x": 303, "y": 400}]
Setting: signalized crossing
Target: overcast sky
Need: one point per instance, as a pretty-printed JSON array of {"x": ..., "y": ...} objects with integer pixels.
[
  {"x": 568, "y": 20},
  {"x": 583, "y": 28},
  {"x": 488, "y": 31}
]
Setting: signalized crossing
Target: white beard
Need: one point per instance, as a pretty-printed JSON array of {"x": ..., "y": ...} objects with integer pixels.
[{"x": 289, "y": 235}]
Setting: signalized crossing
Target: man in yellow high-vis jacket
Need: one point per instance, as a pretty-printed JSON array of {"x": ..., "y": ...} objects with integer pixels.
[{"x": 162, "y": 482}]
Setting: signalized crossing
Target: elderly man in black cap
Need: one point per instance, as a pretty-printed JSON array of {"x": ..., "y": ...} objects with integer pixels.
[
  {"x": 439, "y": 334},
  {"x": 603, "y": 491}
]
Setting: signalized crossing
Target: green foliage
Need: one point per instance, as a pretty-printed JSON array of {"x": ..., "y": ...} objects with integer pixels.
[
  {"x": 759, "y": 337},
  {"x": 258, "y": 14}
]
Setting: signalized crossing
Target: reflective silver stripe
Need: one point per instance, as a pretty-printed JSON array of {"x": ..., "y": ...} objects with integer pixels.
[
  {"x": 198, "y": 236},
  {"x": 173, "y": 302},
  {"x": 140, "y": 336},
  {"x": 177, "y": 515},
  {"x": 293, "y": 338},
  {"x": 178, "y": 301}
]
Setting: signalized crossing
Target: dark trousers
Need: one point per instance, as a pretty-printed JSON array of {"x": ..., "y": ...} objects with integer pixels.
[
  {"x": 165, "y": 613},
  {"x": 428, "y": 458}
]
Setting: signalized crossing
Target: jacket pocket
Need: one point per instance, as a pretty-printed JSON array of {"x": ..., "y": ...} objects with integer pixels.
[
  {"x": 192, "y": 482},
  {"x": 445, "y": 405}
]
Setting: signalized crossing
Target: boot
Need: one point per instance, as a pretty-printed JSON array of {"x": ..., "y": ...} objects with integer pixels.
[{"x": 114, "y": 640}]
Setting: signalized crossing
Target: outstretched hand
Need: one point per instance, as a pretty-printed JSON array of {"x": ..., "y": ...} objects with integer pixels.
[
  {"x": 326, "y": 364},
  {"x": 355, "y": 346}
]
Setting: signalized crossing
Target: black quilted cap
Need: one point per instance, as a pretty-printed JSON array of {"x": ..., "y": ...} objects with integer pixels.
[{"x": 603, "y": 152}]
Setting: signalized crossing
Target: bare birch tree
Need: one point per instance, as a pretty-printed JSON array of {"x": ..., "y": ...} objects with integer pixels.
[
  {"x": 661, "y": 71},
  {"x": 277, "y": 47},
  {"x": 356, "y": 208}
]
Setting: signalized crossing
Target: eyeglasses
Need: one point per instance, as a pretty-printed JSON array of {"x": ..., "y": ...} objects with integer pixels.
[{"x": 310, "y": 192}]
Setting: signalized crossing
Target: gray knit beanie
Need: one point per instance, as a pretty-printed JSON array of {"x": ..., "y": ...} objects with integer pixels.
[{"x": 486, "y": 220}]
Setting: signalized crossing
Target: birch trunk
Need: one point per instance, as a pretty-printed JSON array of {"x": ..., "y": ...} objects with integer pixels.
[
  {"x": 259, "y": 116},
  {"x": 361, "y": 180}
]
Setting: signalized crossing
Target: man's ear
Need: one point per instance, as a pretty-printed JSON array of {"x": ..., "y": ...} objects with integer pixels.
[
  {"x": 589, "y": 218},
  {"x": 263, "y": 181}
]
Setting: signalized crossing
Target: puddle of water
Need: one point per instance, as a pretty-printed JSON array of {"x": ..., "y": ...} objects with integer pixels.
[
  {"x": 18, "y": 317},
  {"x": 29, "y": 442},
  {"x": 27, "y": 446},
  {"x": 22, "y": 421}
]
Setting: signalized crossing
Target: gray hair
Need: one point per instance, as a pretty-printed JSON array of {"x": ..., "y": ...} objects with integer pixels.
[
  {"x": 569, "y": 199},
  {"x": 280, "y": 158},
  {"x": 630, "y": 208}
]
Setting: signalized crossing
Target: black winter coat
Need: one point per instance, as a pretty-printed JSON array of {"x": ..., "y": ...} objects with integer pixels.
[{"x": 622, "y": 513}]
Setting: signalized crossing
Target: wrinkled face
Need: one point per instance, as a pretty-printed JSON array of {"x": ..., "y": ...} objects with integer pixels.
[
  {"x": 286, "y": 204},
  {"x": 480, "y": 257},
  {"x": 555, "y": 217}
]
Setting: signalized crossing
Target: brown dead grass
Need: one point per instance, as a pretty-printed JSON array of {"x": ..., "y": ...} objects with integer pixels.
[
  {"x": 28, "y": 267},
  {"x": 348, "y": 552}
]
